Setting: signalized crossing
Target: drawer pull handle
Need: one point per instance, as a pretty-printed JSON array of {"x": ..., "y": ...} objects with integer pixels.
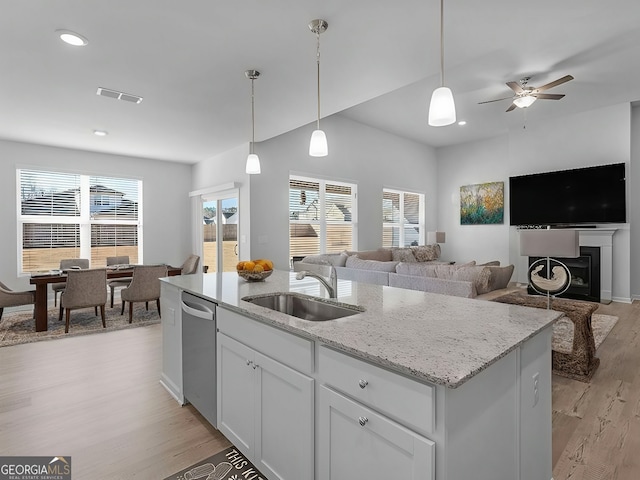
[
  {"x": 363, "y": 383},
  {"x": 363, "y": 421},
  {"x": 249, "y": 362},
  {"x": 255, "y": 365}
]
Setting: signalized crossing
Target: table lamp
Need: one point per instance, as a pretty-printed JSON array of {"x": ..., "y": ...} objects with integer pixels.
[
  {"x": 549, "y": 276},
  {"x": 435, "y": 237}
]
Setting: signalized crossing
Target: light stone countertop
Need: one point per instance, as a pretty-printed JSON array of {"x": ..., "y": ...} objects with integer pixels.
[{"x": 441, "y": 339}]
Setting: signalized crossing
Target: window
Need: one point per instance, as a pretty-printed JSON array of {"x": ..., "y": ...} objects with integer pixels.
[
  {"x": 403, "y": 218},
  {"x": 66, "y": 215},
  {"x": 322, "y": 216}
]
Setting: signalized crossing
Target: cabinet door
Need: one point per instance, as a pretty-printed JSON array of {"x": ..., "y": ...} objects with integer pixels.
[
  {"x": 236, "y": 393},
  {"x": 284, "y": 421},
  {"x": 357, "y": 442}
]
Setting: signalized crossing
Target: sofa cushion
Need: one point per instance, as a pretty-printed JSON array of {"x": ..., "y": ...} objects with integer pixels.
[
  {"x": 493, "y": 263},
  {"x": 500, "y": 277},
  {"x": 417, "y": 268},
  {"x": 335, "y": 259},
  {"x": 354, "y": 261},
  {"x": 402, "y": 255},
  {"x": 425, "y": 253},
  {"x": 381, "y": 254}
]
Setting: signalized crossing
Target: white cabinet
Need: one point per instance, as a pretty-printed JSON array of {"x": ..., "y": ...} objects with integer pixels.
[
  {"x": 171, "y": 376},
  {"x": 358, "y": 442},
  {"x": 265, "y": 408},
  {"x": 360, "y": 430}
]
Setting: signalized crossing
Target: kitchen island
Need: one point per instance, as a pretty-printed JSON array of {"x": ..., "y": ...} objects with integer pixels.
[{"x": 418, "y": 385}]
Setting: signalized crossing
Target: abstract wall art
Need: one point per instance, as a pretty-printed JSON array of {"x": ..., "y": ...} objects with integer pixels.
[{"x": 482, "y": 204}]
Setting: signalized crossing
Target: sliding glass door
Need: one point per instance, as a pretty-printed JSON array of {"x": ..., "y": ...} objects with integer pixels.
[{"x": 220, "y": 220}]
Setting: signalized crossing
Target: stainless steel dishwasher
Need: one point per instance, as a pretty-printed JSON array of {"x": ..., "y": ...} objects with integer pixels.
[{"x": 199, "y": 354}]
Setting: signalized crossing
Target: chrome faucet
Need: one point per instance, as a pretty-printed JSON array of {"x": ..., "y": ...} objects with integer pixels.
[{"x": 331, "y": 285}]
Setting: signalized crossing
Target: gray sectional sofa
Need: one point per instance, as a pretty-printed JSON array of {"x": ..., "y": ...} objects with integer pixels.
[{"x": 416, "y": 268}]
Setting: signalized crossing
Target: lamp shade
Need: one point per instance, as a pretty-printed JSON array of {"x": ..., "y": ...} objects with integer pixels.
[
  {"x": 253, "y": 164},
  {"x": 435, "y": 237},
  {"x": 524, "y": 102},
  {"x": 549, "y": 243},
  {"x": 318, "y": 145},
  {"x": 442, "y": 109}
]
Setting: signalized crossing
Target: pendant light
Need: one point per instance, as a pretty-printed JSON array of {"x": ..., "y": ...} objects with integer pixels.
[
  {"x": 253, "y": 161},
  {"x": 442, "y": 110},
  {"x": 318, "y": 144}
]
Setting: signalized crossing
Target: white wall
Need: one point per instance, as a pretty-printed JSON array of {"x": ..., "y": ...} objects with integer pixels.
[
  {"x": 633, "y": 185},
  {"x": 591, "y": 138},
  {"x": 165, "y": 196},
  {"x": 357, "y": 153}
]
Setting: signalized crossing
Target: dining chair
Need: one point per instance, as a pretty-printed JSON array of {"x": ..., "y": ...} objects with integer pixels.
[
  {"x": 66, "y": 264},
  {"x": 85, "y": 288},
  {"x": 11, "y": 298},
  {"x": 190, "y": 265},
  {"x": 144, "y": 287},
  {"x": 117, "y": 282}
]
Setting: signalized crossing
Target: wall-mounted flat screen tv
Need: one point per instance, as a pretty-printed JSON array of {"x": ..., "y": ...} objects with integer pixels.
[{"x": 581, "y": 196}]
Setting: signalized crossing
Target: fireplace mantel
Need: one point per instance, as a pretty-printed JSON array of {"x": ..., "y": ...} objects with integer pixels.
[{"x": 603, "y": 238}]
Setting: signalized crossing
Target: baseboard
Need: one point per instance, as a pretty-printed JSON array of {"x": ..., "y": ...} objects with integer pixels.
[{"x": 170, "y": 387}]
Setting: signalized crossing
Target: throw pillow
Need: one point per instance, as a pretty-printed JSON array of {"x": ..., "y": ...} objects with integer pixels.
[
  {"x": 402, "y": 255},
  {"x": 493, "y": 263},
  {"x": 354, "y": 261},
  {"x": 500, "y": 277},
  {"x": 477, "y": 275},
  {"x": 425, "y": 253}
]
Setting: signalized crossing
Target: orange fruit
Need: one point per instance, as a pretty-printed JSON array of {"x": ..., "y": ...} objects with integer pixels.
[
  {"x": 249, "y": 265},
  {"x": 240, "y": 266},
  {"x": 258, "y": 269}
]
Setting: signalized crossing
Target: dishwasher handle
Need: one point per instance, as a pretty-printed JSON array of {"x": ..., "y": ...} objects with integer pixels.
[{"x": 198, "y": 311}]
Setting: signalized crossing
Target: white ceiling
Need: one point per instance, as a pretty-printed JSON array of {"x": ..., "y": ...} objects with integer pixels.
[{"x": 380, "y": 63}]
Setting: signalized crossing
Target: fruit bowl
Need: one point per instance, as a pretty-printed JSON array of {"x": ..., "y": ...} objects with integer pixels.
[{"x": 254, "y": 276}]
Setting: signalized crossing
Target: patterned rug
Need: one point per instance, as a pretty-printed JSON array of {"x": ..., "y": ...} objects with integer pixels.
[
  {"x": 228, "y": 464},
  {"x": 563, "y": 331},
  {"x": 19, "y": 327}
]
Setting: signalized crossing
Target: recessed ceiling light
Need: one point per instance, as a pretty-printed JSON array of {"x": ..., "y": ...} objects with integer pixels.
[
  {"x": 72, "y": 38},
  {"x": 462, "y": 122},
  {"x": 100, "y": 133}
]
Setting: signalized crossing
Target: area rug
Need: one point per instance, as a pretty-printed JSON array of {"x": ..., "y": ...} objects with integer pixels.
[
  {"x": 228, "y": 464},
  {"x": 19, "y": 327},
  {"x": 563, "y": 331}
]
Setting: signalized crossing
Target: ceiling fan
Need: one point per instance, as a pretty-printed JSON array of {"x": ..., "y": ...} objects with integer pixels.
[{"x": 525, "y": 95}]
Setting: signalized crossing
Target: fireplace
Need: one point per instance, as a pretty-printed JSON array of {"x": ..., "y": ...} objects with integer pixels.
[{"x": 585, "y": 275}]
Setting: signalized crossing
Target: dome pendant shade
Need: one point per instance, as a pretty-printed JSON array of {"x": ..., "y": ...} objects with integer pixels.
[
  {"x": 253, "y": 164},
  {"x": 318, "y": 144},
  {"x": 442, "y": 109},
  {"x": 524, "y": 101}
]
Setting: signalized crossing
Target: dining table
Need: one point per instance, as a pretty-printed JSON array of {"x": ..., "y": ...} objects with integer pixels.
[{"x": 42, "y": 281}]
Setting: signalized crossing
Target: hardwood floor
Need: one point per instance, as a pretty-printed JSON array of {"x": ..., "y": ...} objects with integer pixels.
[
  {"x": 97, "y": 398},
  {"x": 596, "y": 425}
]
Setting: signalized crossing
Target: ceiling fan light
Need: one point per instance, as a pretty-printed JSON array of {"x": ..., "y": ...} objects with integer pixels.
[
  {"x": 525, "y": 101},
  {"x": 318, "y": 145},
  {"x": 253, "y": 164},
  {"x": 442, "y": 109}
]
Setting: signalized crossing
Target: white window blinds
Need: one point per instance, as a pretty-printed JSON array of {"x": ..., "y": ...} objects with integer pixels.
[{"x": 402, "y": 214}]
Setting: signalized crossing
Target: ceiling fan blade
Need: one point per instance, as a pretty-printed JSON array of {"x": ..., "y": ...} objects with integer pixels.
[
  {"x": 560, "y": 81},
  {"x": 548, "y": 96},
  {"x": 515, "y": 86},
  {"x": 511, "y": 107},
  {"x": 496, "y": 100}
]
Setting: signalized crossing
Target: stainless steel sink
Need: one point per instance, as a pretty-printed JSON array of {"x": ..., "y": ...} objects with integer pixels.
[{"x": 304, "y": 306}]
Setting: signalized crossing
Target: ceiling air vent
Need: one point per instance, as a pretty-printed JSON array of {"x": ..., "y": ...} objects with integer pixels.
[{"x": 127, "y": 97}]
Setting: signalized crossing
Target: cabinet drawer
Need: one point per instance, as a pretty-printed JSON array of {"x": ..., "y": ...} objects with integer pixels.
[
  {"x": 295, "y": 352},
  {"x": 405, "y": 400}
]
